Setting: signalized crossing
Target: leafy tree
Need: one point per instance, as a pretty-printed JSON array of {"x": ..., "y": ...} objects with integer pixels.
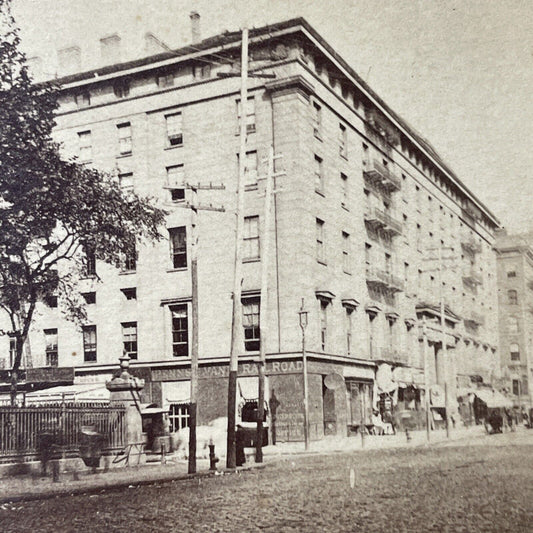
[{"x": 51, "y": 208}]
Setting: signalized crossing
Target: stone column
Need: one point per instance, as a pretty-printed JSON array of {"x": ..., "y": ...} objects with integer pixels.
[{"x": 125, "y": 390}]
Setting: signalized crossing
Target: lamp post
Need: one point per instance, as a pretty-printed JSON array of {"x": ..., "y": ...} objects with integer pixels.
[{"x": 303, "y": 324}]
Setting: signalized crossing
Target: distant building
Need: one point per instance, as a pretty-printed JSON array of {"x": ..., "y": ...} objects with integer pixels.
[
  {"x": 361, "y": 215},
  {"x": 515, "y": 292}
]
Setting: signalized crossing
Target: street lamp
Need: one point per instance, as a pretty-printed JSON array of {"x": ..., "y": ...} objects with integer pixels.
[{"x": 303, "y": 324}]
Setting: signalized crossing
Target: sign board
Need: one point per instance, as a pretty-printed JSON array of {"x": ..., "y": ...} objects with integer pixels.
[
  {"x": 50, "y": 375},
  {"x": 334, "y": 381}
]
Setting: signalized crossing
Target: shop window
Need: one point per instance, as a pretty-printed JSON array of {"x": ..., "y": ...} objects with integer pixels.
[{"x": 179, "y": 416}]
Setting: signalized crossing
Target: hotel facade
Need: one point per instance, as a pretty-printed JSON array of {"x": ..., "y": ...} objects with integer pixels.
[{"x": 369, "y": 227}]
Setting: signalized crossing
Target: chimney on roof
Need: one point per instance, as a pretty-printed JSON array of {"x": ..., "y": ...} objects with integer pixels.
[
  {"x": 153, "y": 45},
  {"x": 110, "y": 49},
  {"x": 69, "y": 60},
  {"x": 195, "y": 27}
]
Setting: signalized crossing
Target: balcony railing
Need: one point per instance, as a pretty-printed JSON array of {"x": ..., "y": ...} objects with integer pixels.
[
  {"x": 379, "y": 218},
  {"x": 376, "y": 276},
  {"x": 375, "y": 171}
]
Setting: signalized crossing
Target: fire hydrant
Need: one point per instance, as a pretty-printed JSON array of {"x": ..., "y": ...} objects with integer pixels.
[{"x": 213, "y": 459}]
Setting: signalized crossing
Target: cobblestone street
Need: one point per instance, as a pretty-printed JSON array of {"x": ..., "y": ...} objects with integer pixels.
[{"x": 486, "y": 487}]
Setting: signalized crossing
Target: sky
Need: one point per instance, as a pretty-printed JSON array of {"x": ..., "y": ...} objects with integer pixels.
[{"x": 460, "y": 72}]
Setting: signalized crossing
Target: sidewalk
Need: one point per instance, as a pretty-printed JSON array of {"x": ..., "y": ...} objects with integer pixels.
[{"x": 26, "y": 488}]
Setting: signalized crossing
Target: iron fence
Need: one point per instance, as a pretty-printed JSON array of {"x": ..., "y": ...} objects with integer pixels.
[{"x": 21, "y": 427}]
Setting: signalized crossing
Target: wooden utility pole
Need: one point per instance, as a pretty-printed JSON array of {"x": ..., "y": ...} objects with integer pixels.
[
  {"x": 236, "y": 330},
  {"x": 194, "y": 206},
  {"x": 263, "y": 309},
  {"x": 426, "y": 378}
]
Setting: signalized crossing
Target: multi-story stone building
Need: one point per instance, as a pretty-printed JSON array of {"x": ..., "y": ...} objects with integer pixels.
[
  {"x": 361, "y": 216},
  {"x": 515, "y": 290}
]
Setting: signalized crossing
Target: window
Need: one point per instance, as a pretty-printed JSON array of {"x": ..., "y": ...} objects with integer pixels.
[
  {"x": 516, "y": 387},
  {"x": 418, "y": 238},
  {"x": 179, "y": 416},
  {"x": 50, "y": 338},
  {"x": 349, "y": 328},
  {"x": 89, "y": 344},
  {"x": 130, "y": 293},
  {"x": 346, "y": 252},
  {"x": 343, "y": 140},
  {"x": 388, "y": 263},
  {"x": 175, "y": 182},
  {"x": 514, "y": 351},
  {"x": 317, "y": 120},
  {"x": 124, "y": 138},
  {"x": 178, "y": 247},
  {"x": 406, "y": 273},
  {"x": 512, "y": 297},
  {"x": 319, "y": 176},
  {"x": 511, "y": 274},
  {"x": 512, "y": 324},
  {"x": 83, "y": 100},
  {"x": 122, "y": 88},
  {"x": 344, "y": 190},
  {"x": 250, "y": 172},
  {"x": 85, "y": 146},
  {"x": 125, "y": 182},
  {"x": 180, "y": 331},
  {"x": 130, "y": 260},
  {"x": 51, "y": 300},
  {"x": 368, "y": 254},
  {"x": 250, "y": 114},
  {"x": 323, "y": 323},
  {"x": 90, "y": 261},
  {"x": 320, "y": 255},
  {"x": 129, "y": 339},
  {"x": 174, "y": 123},
  {"x": 89, "y": 297},
  {"x": 202, "y": 72},
  {"x": 250, "y": 323},
  {"x": 251, "y": 238},
  {"x": 12, "y": 350}
]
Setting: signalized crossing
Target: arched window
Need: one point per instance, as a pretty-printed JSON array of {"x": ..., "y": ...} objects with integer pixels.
[
  {"x": 512, "y": 297},
  {"x": 514, "y": 350},
  {"x": 512, "y": 324}
]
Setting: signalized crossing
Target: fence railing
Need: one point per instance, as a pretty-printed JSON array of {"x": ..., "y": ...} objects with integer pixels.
[{"x": 21, "y": 427}]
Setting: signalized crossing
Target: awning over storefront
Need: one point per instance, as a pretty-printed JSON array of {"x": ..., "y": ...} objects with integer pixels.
[
  {"x": 175, "y": 392},
  {"x": 248, "y": 388},
  {"x": 358, "y": 372},
  {"x": 493, "y": 398},
  {"x": 80, "y": 392}
]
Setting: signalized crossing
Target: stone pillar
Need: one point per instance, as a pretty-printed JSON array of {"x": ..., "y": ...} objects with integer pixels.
[{"x": 125, "y": 390}]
